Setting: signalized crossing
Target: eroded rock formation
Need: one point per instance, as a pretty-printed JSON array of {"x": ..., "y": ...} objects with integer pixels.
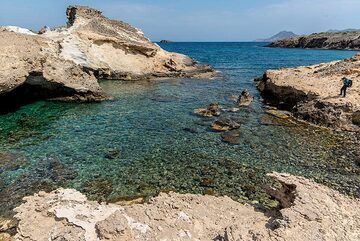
[
  {"x": 64, "y": 63},
  {"x": 245, "y": 99},
  {"x": 312, "y": 92},
  {"x": 116, "y": 50},
  {"x": 31, "y": 69},
  {"x": 327, "y": 40},
  {"x": 309, "y": 211}
]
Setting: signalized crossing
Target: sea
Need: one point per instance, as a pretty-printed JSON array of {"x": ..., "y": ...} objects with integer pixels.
[{"x": 147, "y": 139}]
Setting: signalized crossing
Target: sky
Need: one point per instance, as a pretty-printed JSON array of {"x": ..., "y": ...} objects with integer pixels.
[{"x": 196, "y": 20}]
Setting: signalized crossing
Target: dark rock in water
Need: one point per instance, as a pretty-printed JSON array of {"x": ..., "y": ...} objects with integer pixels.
[
  {"x": 99, "y": 188},
  {"x": 225, "y": 125},
  {"x": 49, "y": 174},
  {"x": 231, "y": 137},
  {"x": 356, "y": 118},
  {"x": 207, "y": 182},
  {"x": 164, "y": 98},
  {"x": 11, "y": 162},
  {"x": 270, "y": 120},
  {"x": 245, "y": 98},
  {"x": 112, "y": 154},
  {"x": 191, "y": 130},
  {"x": 209, "y": 191},
  {"x": 281, "y": 114},
  {"x": 166, "y": 41},
  {"x": 212, "y": 110}
]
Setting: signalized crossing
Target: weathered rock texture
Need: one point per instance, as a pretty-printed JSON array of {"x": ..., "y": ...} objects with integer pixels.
[
  {"x": 63, "y": 63},
  {"x": 309, "y": 211},
  {"x": 30, "y": 68},
  {"x": 116, "y": 50},
  {"x": 312, "y": 93},
  {"x": 327, "y": 40}
]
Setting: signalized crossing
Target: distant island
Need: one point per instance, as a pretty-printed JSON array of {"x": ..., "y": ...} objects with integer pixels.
[
  {"x": 166, "y": 41},
  {"x": 279, "y": 36},
  {"x": 332, "y": 39}
]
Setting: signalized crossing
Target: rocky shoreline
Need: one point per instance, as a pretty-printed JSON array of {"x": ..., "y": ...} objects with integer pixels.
[
  {"x": 306, "y": 211},
  {"x": 311, "y": 93},
  {"x": 329, "y": 40},
  {"x": 65, "y": 63}
]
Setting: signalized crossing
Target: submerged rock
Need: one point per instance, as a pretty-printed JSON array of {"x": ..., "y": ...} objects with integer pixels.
[
  {"x": 231, "y": 137},
  {"x": 311, "y": 93},
  {"x": 308, "y": 211},
  {"x": 225, "y": 125},
  {"x": 63, "y": 63},
  {"x": 245, "y": 99},
  {"x": 212, "y": 110}
]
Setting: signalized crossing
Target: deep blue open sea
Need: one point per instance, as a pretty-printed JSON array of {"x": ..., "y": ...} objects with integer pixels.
[{"x": 147, "y": 140}]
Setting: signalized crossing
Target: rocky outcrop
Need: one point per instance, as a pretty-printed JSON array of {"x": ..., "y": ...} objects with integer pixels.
[
  {"x": 326, "y": 40},
  {"x": 116, "y": 50},
  {"x": 307, "y": 211},
  {"x": 214, "y": 109},
  {"x": 31, "y": 69},
  {"x": 225, "y": 124},
  {"x": 312, "y": 93},
  {"x": 65, "y": 63},
  {"x": 245, "y": 99}
]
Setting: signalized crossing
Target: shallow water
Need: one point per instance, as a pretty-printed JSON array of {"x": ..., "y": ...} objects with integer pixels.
[{"x": 147, "y": 140}]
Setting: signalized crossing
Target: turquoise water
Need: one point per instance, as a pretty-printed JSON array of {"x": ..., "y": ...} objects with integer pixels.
[{"x": 147, "y": 140}]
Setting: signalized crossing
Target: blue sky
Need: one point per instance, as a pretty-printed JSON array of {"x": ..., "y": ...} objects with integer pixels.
[{"x": 197, "y": 20}]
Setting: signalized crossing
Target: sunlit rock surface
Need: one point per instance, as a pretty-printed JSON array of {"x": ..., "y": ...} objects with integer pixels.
[
  {"x": 64, "y": 63},
  {"x": 313, "y": 92},
  {"x": 307, "y": 211}
]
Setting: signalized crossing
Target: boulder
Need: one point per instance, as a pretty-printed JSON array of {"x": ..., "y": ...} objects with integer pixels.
[
  {"x": 231, "y": 137},
  {"x": 225, "y": 125},
  {"x": 245, "y": 99},
  {"x": 212, "y": 110}
]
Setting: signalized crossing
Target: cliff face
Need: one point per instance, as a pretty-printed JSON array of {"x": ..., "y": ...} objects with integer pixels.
[
  {"x": 312, "y": 92},
  {"x": 31, "y": 69},
  {"x": 307, "y": 211},
  {"x": 328, "y": 40},
  {"x": 64, "y": 63},
  {"x": 116, "y": 50}
]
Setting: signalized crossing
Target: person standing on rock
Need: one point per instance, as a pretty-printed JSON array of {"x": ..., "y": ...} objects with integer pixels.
[{"x": 347, "y": 84}]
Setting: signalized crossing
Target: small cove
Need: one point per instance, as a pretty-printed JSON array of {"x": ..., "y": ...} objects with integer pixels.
[{"x": 147, "y": 140}]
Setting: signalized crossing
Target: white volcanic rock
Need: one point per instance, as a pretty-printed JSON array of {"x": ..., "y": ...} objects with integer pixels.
[
  {"x": 309, "y": 211},
  {"x": 114, "y": 49},
  {"x": 66, "y": 61},
  {"x": 312, "y": 92}
]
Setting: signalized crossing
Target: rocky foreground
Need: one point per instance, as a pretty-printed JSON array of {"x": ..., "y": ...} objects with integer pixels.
[
  {"x": 65, "y": 63},
  {"x": 312, "y": 93},
  {"x": 329, "y": 40},
  {"x": 307, "y": 211}
]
